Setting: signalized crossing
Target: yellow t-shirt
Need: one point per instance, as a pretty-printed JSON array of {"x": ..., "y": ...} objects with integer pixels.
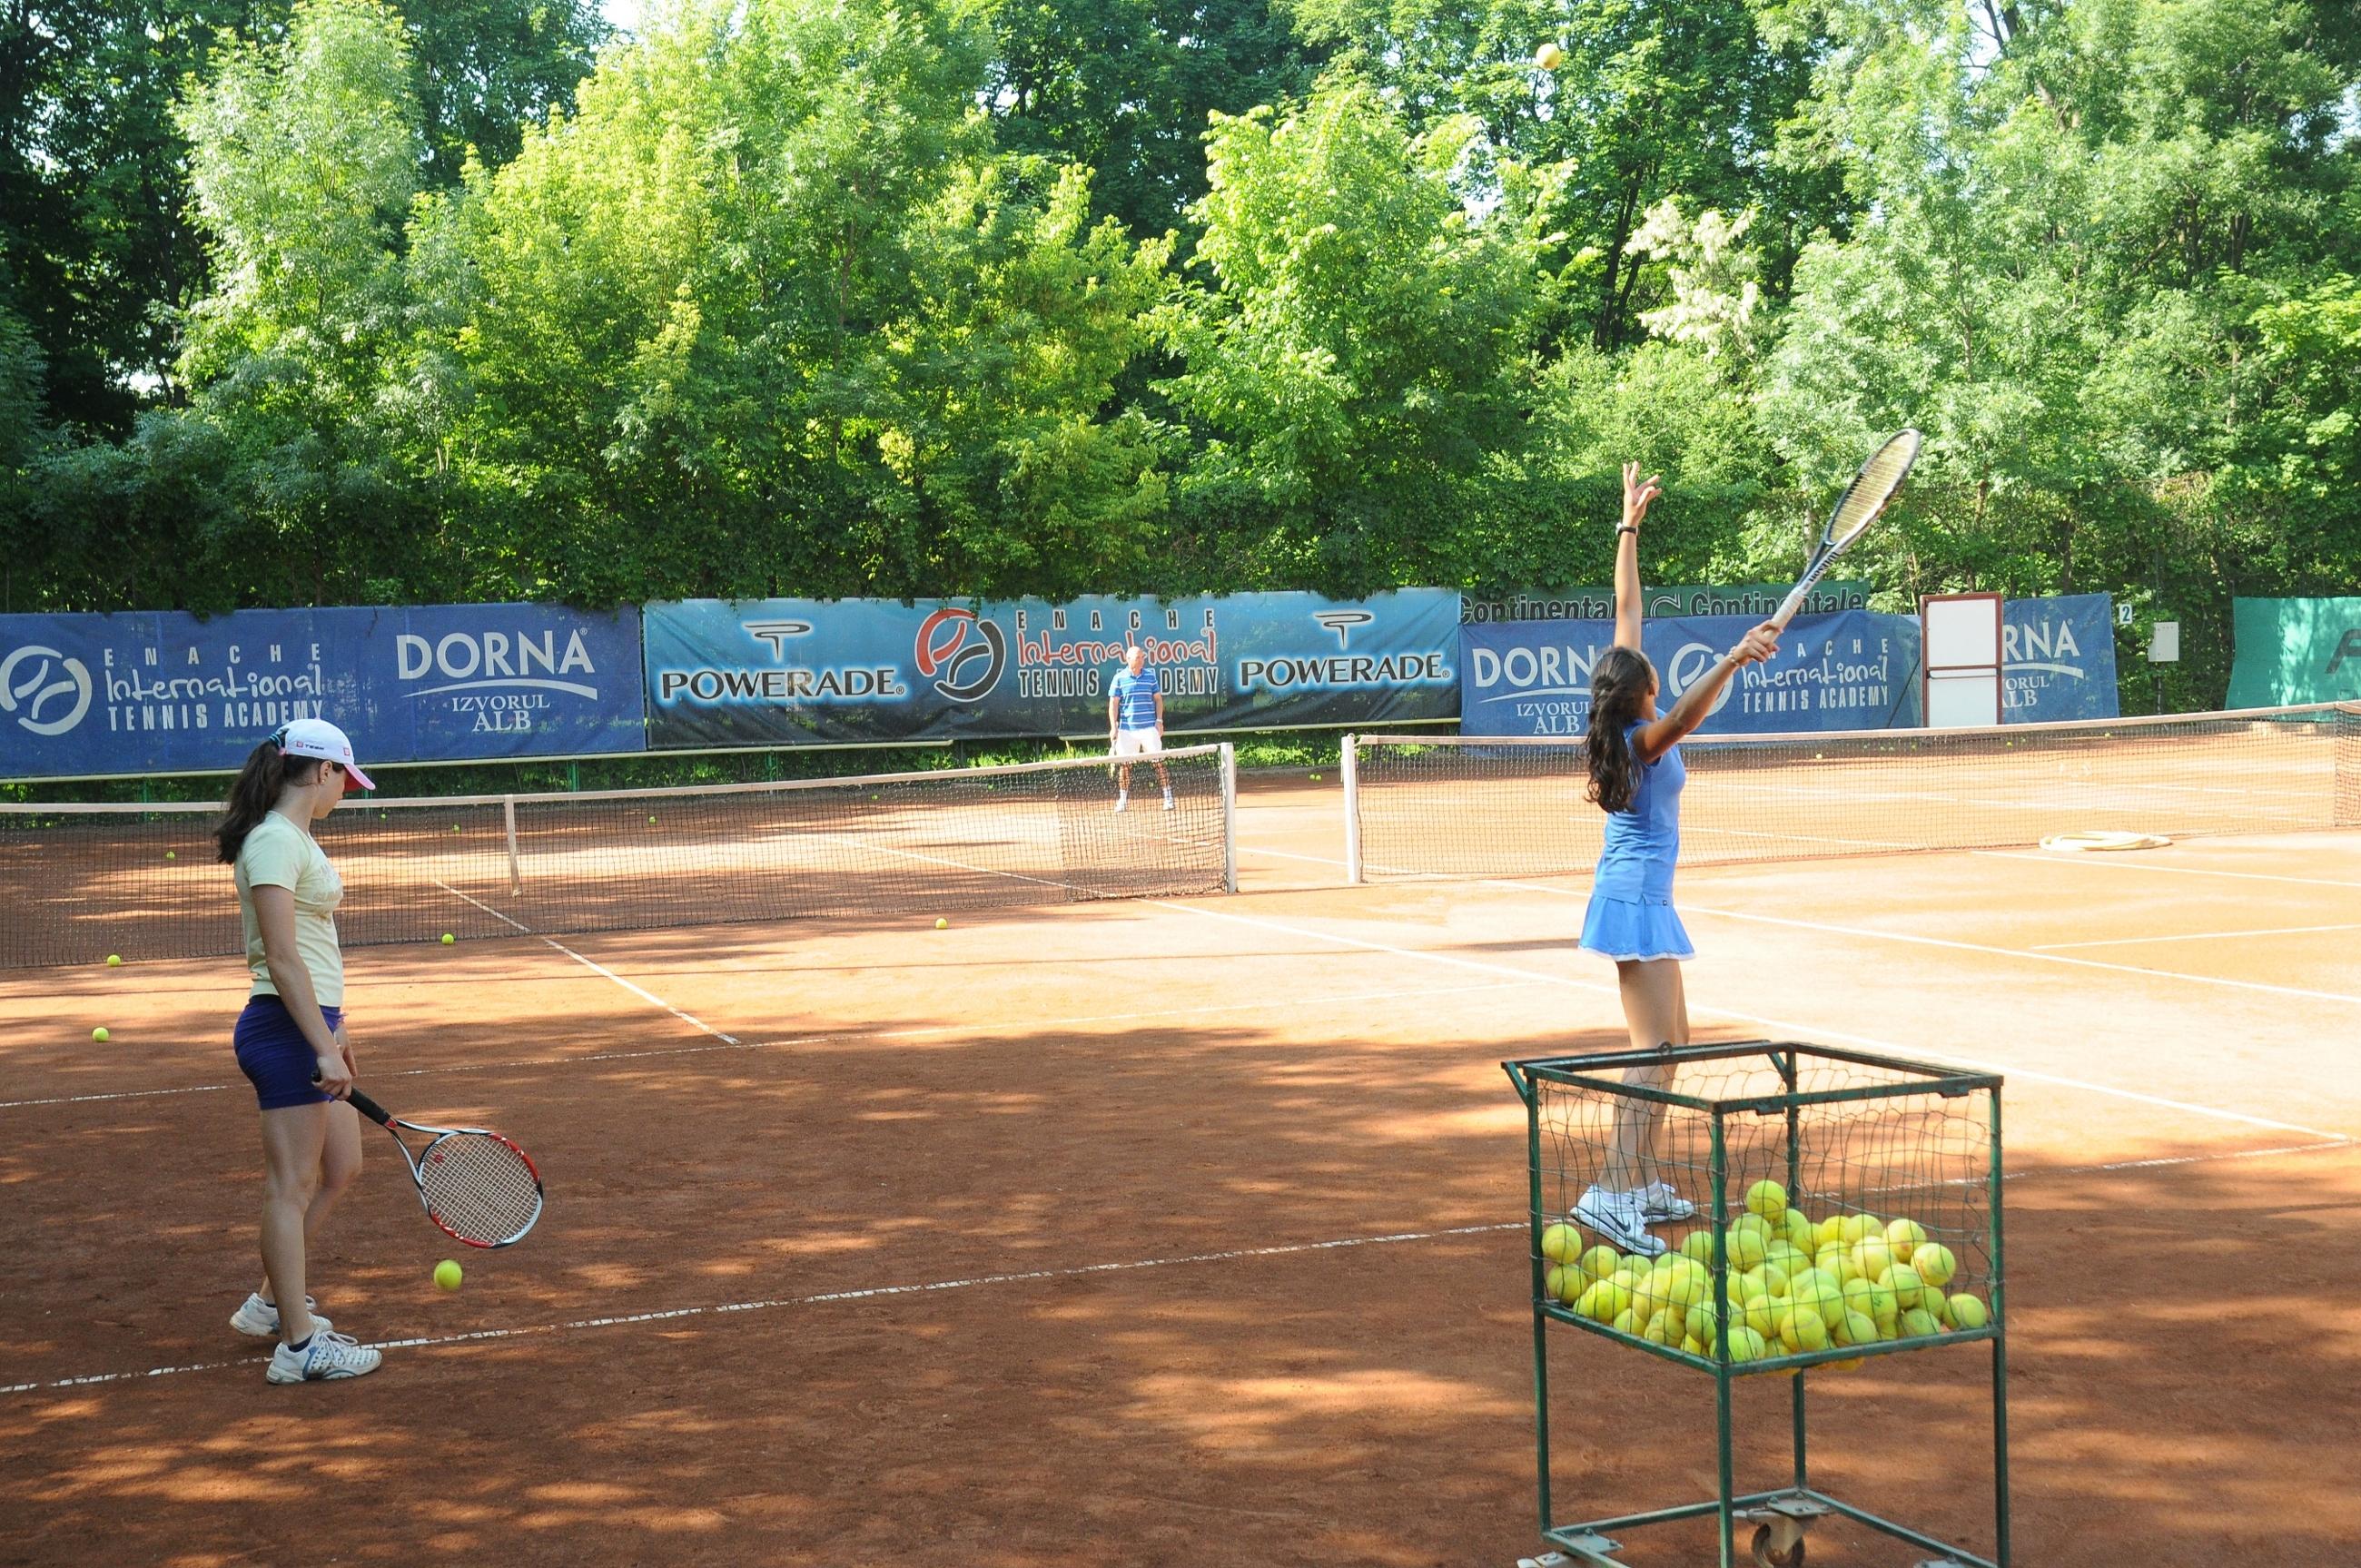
[{"x": 280, "y": 854}]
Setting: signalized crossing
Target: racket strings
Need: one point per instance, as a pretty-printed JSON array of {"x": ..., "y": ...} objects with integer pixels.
[
  {"x": 479, "y": 1188},
  {"x": 1872, "y": 487}
]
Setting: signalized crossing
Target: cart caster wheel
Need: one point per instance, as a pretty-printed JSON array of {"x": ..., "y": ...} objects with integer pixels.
[{"x": 1768, "y": 1555}]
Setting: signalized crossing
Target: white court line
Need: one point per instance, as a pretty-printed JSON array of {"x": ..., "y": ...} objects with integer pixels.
[
  {"x": 1802, "y": 1031},
  {"x": 821, "y": 1299},
  {"x": 2116, "y": 863},
  {"x": 596, "y": 967},
  {"x": 870, "y": 1293},
  {"x": 837, "y": 1037},
  {"x": 1957, "y": 946},
  {"x": 2195, "y": 936}
]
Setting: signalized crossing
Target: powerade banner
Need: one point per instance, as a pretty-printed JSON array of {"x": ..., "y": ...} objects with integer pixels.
[
  {"x": 166, "y": 692},
  {"x": 2058, "y": 659},
  {"x": 1854, "y": 669},
  {"x": 782, "y": 672},
  {"x": 1757, "y": 599},
  {"x": 2296, "y": 650}
]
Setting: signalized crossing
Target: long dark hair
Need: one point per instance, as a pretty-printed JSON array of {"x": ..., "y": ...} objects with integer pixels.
[
  {"x": 255, "y": 790},
  {"x": 1618, "y": 686}
]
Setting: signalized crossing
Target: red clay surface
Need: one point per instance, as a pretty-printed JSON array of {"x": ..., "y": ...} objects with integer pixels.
[{"x": 1185, "y": 1233}]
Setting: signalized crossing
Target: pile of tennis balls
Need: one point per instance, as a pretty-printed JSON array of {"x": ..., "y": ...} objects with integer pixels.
[{"x": 1799, "y": 1284}]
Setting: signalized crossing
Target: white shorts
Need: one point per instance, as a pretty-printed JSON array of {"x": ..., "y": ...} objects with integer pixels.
[{"x": 1137, "y": 743}]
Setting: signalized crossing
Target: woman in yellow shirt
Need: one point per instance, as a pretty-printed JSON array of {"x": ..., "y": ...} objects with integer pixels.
[{"x": 291, "y": 1038}]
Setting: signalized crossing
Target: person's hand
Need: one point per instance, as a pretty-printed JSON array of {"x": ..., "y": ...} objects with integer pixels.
[
  {"x": 1757, "y": 646},
  {"x": 332, "y": 1073},
  {"x": 345, "y": 1047},
  {"x": 1638, "y": 493}
]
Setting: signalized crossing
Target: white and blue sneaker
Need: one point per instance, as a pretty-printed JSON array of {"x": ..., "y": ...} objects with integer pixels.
[
  {"x": 1619, "y": 1219},
  {"x": 258, "y": 1319},
  {"x": 325, "y": 1356},
  {"x": 1660, "y": 1201}
]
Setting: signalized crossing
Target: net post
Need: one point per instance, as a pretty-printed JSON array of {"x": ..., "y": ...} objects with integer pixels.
[
  {"x": 1229, "y": 818},
  {"x": 507, "y": 822},
  {"x": 1349, "y": 764}
]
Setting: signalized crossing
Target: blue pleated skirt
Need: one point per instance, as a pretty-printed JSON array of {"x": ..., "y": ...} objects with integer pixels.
[{"x": 1633, "y": 929}]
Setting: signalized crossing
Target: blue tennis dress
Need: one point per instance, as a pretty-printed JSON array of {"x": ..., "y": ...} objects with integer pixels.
[{"x": 1630, "y": 914}]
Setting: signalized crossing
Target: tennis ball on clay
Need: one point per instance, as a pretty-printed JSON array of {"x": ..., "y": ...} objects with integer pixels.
[
  {"x": 1769, "y": 1200},
  {"x": 99, "y": 1033},
  {"x": 652, "y": 821},
  {"x": 1561, "y": 1243},
  {"x": 446, "y": 1275},
  {"x": 449, "y": 939},
  {"x": 114, "y": 961},
  {"x": 1965, "y": 1311},
  {"x": 1934, "y": 1263},
  {"x": 1903, "y": 1236},
  {"x": 941, "y": 924},
  {"x": 1549, "y": 57},
  {"x": 1315, "y": 778}
]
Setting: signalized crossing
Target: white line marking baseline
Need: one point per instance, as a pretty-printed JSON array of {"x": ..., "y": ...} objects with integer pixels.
[
  {"x": 2101, "y": 862},
  {"x": 2195, "y": 937}
]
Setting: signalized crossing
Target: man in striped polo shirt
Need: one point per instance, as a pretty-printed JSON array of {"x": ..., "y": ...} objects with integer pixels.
[{"x": 1136, "y": 723}]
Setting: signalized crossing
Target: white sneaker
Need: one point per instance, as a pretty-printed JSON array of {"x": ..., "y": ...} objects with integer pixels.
[
  {"x": 1659, "y": 1201},
  {"x": 1168, "y": 801},
  {"x": 260, "y": 1319},
  {"x": 1123, "y": 803},
  {"x": 1617, "y": 1217},
  {"x": 326, "y": 1356}
]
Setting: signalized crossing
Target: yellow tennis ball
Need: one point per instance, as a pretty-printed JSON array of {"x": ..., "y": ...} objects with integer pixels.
[
  {"x": 1560, "y": 1243},
  {"x": 1767, "y": 1199},
  {"x": 1856, "y": 1226},
  {"x": 1903, "y": 1236},
  {"x": 941, "y": 924},
  {"x": 1747, "y": 1344},
  {"x": 1819, "y": 1290},
  {"x": 1965, "y": 1311},
  {"x": 1692, "y": 1346},
  {"x": 1600, "y": 1261},
  {"x": 446, "y": 1275},
  {"x": 1917, "y": 1324},
  {"x": 1663, "y": 1326},
  {"x": 114, "y": 961},
  {"x": 1698, "y": 1245},
  {"x": 1885, "y": 1306},
  {"x": 1805, "y": 1330},
  {"x": 1932, "y": 1302},
  {"x": 1874, "y": 1254},
  {"x": 1855, "y": 1328},
  {"x": 1763, "y": 1315},
  {"x": 1801, "y": 1231},
  {"x": 99, "y": 1033},
  {"x": 1626, "y": 1321},
  {"x": 1746, "y": 1250},
  {"x": 1905, "y": 1282},
  {"x": 1565, "y": 1282},
  {"x": 1702, "y": 1322},
  {"x": 449, "y": 939},
  {"x": 1934, "y": 1263},
  {"x": 1549, "y": 57},
  {"x": 171, "y": 854}
]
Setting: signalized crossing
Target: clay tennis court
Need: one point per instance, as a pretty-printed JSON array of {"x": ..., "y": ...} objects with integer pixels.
[{"x": 1184, "y": 1231}]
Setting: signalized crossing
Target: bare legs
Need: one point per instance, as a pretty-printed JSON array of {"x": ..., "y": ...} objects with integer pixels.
[
  {"x": 310, "y": 1154},
  {"x": 1656, "y": 1013}
]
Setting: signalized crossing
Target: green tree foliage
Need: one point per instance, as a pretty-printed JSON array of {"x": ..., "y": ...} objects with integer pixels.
[
  {"x": 1354, "y": 336},
  {"x": 791, "y": 296}
]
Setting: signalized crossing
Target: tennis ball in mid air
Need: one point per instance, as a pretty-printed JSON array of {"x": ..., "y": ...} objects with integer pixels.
[
  {"x": 446, "y": 1275},
  {"x": 449, "y": 939},
  {"x": 941, "y": 924},
  {"x": 114, "y": 961},
  {"x": 1549, "y": 57},
  {"x": 171, "y": 854},
  {"x": 99, "y": 1033}
]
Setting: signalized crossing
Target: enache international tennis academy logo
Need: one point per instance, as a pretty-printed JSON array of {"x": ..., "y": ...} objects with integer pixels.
[
  {"x": 43, "y": 690},
  {"x": 962, "y": 652}
]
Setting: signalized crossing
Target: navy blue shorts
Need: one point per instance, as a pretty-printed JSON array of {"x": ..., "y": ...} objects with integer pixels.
[{"x": 273, "y": 1053}]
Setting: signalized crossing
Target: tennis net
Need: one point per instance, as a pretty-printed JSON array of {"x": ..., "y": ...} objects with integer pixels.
[
  {"x": 83, "y": 881},
  {"x": 1427, "y": 805}
]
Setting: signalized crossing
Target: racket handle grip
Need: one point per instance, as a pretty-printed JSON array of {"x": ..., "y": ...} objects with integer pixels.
[
  {"x": 365, "y": 1105},
  {"x": 1792, "y": 602}
]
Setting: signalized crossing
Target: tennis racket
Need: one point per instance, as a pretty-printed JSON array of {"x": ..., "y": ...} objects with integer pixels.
[
  {"x": 477, "y": 1187},
  {"x": 1862, "y": 500}
]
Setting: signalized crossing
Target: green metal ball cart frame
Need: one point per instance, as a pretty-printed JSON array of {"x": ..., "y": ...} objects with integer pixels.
[{"x": 1780, "y": 1516}]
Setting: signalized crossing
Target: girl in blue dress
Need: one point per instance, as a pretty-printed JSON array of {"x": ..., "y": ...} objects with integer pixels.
[{"x": 1636, "y": 776}]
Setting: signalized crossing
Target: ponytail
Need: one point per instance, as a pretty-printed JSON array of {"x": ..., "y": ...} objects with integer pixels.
[
  {"x": 255, "y": 790},
  {"x": 1619, "y": 684}
]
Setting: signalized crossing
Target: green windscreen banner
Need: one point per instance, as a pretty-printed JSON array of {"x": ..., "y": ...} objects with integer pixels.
[{"x": 2295, "y": 651}]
